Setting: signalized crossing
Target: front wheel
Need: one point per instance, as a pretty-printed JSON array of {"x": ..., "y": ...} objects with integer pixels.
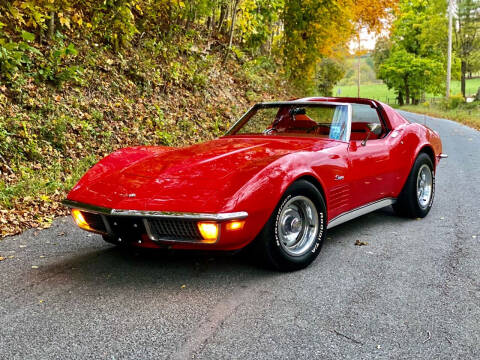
[
  {"x": 292, "y": 237},
  {"x": 416, "y": 198}
]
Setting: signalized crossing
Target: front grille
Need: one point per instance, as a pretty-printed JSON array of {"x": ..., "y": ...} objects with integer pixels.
[
  {"x": 174, "y": 229},
  {"x": 95, "y": 221}
]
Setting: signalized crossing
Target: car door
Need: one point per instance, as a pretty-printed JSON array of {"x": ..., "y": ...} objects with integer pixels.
[{"x": 370, "y": 171}]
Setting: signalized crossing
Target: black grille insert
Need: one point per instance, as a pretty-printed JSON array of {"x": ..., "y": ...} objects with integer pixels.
[{"x": 174, "y": 229}]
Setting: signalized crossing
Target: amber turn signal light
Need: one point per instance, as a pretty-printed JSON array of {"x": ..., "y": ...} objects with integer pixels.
[
  {"x": 209, "y": 231},
  {"x": 235, "y": 225},
  {"x": 80, "y": 220}
]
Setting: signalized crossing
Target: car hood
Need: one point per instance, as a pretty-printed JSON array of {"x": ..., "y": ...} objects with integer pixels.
[{"x": 195, "y": 178}]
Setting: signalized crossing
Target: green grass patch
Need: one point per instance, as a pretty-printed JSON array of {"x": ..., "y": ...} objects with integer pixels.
[
  {"x": 372, "y": 91},
  {"x": 467, "y": 114},
  {"x": 44, "y": 183},
  {"x": 382, "y": 93}
]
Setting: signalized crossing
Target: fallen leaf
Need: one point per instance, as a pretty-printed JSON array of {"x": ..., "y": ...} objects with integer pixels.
[
  {"x": 360, "y": 243},
  {"x": 183, "y": 286},
  {"x": 2, "y": 258},
  {"x": 11, "y": 256},
  {"x": 23, "y": 246},
  {"x": 34, "y": 267}
]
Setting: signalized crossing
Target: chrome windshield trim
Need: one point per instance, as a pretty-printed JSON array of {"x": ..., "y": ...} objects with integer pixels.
[
  {"x": 313, "y": 103},
  {"x": 155, "y": 214}
]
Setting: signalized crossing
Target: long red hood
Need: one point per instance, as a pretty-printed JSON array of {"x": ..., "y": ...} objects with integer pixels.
[{"x": 186, "y": 179}]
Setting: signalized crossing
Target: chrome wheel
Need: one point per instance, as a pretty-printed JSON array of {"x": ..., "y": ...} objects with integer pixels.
[
  {"x": 297, "y": 225},
  {"x": 424, "y": 186}
]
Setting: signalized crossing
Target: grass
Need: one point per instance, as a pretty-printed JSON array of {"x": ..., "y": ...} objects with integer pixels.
[
  {"x": 467, "y": 114},
  {"x": 382, "y": 93},
  {"x": 372, "y": 91}
]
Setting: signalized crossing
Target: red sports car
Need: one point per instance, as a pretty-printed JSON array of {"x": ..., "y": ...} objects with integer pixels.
[{"x": 281, "y": 176}]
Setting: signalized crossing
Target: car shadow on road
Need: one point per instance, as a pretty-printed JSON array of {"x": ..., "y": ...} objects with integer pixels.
[
  {"x": 369, "y": 223},
  {"x": 111, "y": 266}
]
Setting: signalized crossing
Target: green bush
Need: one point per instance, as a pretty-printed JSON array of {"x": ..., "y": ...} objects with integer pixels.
[{"x": 452, "y": 102}]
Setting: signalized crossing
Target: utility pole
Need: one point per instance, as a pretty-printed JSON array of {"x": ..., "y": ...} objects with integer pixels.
[
  {"x": 449, "y": 55},
  {"x": 358, "y": 65}
]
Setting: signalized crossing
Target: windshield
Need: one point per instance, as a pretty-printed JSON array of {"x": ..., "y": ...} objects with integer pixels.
[{"x": 313, "y": 120}]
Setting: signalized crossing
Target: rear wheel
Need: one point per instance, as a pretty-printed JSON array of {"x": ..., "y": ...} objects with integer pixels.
[
  {"x": 417, "y": 195},
  {"x": 292, "y": 237}
]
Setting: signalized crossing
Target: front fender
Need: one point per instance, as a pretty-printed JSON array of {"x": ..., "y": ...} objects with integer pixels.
[
  {"x": 114, "y": 162},
  {"x": 261, "y": 194}
]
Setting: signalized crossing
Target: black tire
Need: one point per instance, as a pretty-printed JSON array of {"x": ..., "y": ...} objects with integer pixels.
[
  {"x": 268, "y": 247},
  {"x": 408, "y": 204}
]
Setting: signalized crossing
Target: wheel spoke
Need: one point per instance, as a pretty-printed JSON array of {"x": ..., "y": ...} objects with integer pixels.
[
  {"x": 424, "y": 186},
  {"x": 298, "y": 225}
]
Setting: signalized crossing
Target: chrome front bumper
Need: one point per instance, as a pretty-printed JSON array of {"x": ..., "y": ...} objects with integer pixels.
[{"x": 181, "y": 225}]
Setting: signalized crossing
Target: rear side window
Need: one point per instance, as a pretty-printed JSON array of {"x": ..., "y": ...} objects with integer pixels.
[{"x": 364, "y": 114}]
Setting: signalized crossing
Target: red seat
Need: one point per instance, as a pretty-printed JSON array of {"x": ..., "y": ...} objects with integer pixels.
[{"x": 360, "y": 131}]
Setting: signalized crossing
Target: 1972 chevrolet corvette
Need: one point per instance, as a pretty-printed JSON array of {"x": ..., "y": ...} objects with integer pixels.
[{"x": 282, "y": 175}]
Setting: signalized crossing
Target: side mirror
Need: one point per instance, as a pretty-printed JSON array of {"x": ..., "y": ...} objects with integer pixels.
[{"x": 374, "y": 128}]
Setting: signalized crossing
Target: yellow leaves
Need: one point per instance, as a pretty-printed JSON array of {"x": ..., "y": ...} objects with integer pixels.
[
  {"x": 65, "y": 21},
  {"x": 360, "y": 243},
  {"x": 77, "y": 18},
  {"x": 45, "y": 198}
]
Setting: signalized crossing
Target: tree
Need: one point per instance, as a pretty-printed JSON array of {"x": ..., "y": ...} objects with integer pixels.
[
  {"x": 415, "y": 62},
  {"x": 330, "y": 71},
  {"x": 467, "y": 34},
  {"x": 411, "y": 75},
  {"x": 315, "y": 29},
  {"x": 381, "y": 52}
]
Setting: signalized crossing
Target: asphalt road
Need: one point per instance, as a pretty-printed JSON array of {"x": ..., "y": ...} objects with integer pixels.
[{"x": 412, "y": 293}]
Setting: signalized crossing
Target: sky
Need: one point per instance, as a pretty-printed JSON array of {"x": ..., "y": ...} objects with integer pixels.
[{"x": 367, "y": 41}]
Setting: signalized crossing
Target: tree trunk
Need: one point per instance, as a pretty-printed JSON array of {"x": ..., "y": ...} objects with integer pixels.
[
  {"x": 400, "y": 99},
  {"x": 464, "y": 71},
  {"x": 51, "y": 26},
  {"x": 211, "y": 19},
  {"x": 232, "y": 25},
  {"x": 407, "y": 91},
  {"x": 223, "y": 13}
]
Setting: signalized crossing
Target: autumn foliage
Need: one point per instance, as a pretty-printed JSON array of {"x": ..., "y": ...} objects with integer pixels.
[{"x": 79, "y": 79}]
